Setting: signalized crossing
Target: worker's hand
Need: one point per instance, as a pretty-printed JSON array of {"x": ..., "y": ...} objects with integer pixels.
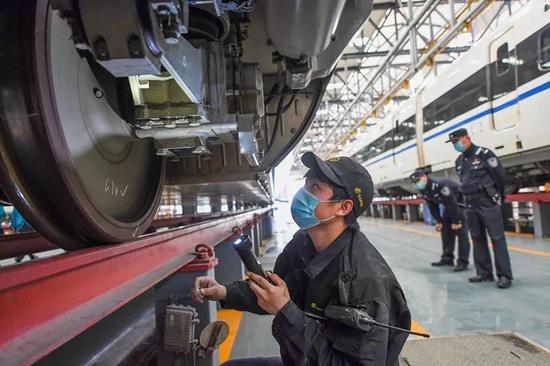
[
  {"x": 456, "y": 226},
  {"x": 206, "y": 288},
  {"x": 271, "y": 297},
  {"x": 438, "y": 226}
]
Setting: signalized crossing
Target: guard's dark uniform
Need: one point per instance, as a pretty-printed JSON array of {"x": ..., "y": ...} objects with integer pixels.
[
  {"x": 445, "y": 191},
  {"x": 483, "y": 181},
  {"x": 349, "y": 272}
]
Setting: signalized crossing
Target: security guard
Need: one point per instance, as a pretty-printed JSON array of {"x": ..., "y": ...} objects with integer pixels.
[
  {"x": 444, "y": 191},
  {"x": 328, "y": 262},
  {"x": 483, "y": 184}
]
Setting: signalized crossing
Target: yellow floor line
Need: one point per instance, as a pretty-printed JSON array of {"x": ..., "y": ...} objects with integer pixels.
[
  {"x": 529, "y": 251},
  {"x": 233, "y": 318},
  {"x": 521, "y": 235},
  {"x": 540, "y": 253},
  {"x": 415, "y": 327}
]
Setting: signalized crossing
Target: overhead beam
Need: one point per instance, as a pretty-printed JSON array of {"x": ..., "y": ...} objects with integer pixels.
[
  {"x": 399, "y": 4},
  {"x": 354, "y": 55},
  {"x": 399, "y": 65}
]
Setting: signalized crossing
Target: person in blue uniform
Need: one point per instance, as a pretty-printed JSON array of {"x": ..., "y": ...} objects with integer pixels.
[
  {"x": 329, "y": 261},
  {"x": 483, "y": 180},
  {"x": 451, "y": 224},
  {"x": 19, "y": 225}
]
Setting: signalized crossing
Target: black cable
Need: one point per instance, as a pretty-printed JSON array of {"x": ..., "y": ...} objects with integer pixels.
[
  {"x": 276, "y": 89},
  {"x": 277, "y": 120},
  {"x": 285, "y": 108}
]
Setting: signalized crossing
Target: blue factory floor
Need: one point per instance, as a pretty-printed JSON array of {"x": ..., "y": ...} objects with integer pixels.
[{"x": 442, "y": 302}]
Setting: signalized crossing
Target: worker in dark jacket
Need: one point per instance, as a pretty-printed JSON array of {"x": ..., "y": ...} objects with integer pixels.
[
  {"x": 328, "y": 262},
  {"x": 483, "y": 181},
  {"x": 451, "y": 224}
]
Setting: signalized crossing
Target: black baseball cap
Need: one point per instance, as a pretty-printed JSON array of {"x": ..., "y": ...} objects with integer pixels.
[
  {"x": 457, "y": 133},
  {"x": 419, "y": 173},
  {"x": 348, "y": 174}
]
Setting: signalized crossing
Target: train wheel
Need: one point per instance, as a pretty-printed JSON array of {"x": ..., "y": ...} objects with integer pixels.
[{"x": 68, "y": 162}]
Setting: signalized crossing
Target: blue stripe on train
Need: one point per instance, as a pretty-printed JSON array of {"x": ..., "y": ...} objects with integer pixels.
[{"x": 468, "y": 120}]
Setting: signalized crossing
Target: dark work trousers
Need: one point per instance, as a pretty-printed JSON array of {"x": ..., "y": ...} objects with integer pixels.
[
  {"x": 485, "y": 216},
  {"x": 448, "y": 236},
  {"x": 255, "y": 361}
]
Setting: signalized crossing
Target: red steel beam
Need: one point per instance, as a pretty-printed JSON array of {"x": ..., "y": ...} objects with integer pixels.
[
  {"x": 25, "y": 243},
  {"x": 529, "y": 197},
  {"x": 518, "y": 197},
  {"x": 190, "y": 219},
  {"x": 45, "y": 303}
]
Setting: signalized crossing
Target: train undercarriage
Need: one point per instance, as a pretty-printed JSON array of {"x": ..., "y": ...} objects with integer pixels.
[{"x": 102, "y": 104}]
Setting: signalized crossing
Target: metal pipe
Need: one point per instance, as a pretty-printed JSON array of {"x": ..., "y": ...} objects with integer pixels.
[
  {"x": 207, "y": 130},
  {"x": 412, "y": 34},
  {"x": 452, "y": 9},
  {"x": 352, "y": 55}
]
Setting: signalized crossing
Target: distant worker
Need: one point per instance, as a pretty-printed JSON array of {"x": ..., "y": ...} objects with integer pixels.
[
  {"x": 483, "y": 181},
  {"x": 328, "y": 262},
  {"x": 438, "y": 191},
  {"x": 18, "y": 224}
]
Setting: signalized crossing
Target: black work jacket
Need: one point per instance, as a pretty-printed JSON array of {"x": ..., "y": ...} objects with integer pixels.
[
  {"x": 349, "y": 272},
  {"x": 446, "y": 192},
  {"x": 479, "y": 167}
]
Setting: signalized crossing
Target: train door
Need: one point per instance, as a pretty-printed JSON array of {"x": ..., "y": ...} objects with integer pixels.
[{"x": 504, "y": 82}]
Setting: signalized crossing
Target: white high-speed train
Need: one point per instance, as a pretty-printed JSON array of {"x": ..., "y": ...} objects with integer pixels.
[{"x": 499, "y": 90}]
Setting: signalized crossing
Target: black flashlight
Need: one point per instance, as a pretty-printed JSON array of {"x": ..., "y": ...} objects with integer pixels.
[{"x": 243, "y": 246}]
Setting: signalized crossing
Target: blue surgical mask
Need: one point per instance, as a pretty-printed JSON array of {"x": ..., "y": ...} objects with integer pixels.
[
  {"x": 302, "y": 208},
  {"x": 459, "y": 146},
  {"x": 420, "y": 185}
]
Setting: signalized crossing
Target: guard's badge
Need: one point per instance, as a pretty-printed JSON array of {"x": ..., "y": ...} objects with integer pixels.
[
  {"x": 358, "y": 192},
  {"x": 445, "y": 191},
  {"x": 493, "y": 162}
]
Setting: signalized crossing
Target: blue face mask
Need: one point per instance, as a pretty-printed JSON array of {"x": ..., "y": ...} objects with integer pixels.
[
  {"x": 302, "y": 208},
  {"x": 459, "y": 146},
  {"x": 420, "y": 185}
]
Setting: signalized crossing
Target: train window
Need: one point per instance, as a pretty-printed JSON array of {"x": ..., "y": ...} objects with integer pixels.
[
  {"x": 503, "y": 60},
  {"x": 402, "y": 133},
  {"x": 462, "y": 98},
  {"x": 544, "y": 50}
]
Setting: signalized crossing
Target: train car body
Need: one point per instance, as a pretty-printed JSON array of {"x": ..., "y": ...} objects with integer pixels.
[{"x": 498, "y": 90}]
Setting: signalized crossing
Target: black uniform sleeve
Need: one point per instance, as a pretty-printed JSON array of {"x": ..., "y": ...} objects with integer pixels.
[
  {"x": 241, "y": 297},
  {"x": 434, "y": 210},
  {"x": 497, "y": 171},
  {"x": 451, "y": 205},
  {"x": 302, "y": 339}
]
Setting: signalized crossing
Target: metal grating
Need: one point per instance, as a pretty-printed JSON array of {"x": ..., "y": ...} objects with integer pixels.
[{"x": 497, "y": 349}]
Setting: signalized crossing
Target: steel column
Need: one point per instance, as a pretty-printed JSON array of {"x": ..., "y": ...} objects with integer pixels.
[
  {"x": 176, "y": 289},
  {"x": 541, "y": 219}
]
